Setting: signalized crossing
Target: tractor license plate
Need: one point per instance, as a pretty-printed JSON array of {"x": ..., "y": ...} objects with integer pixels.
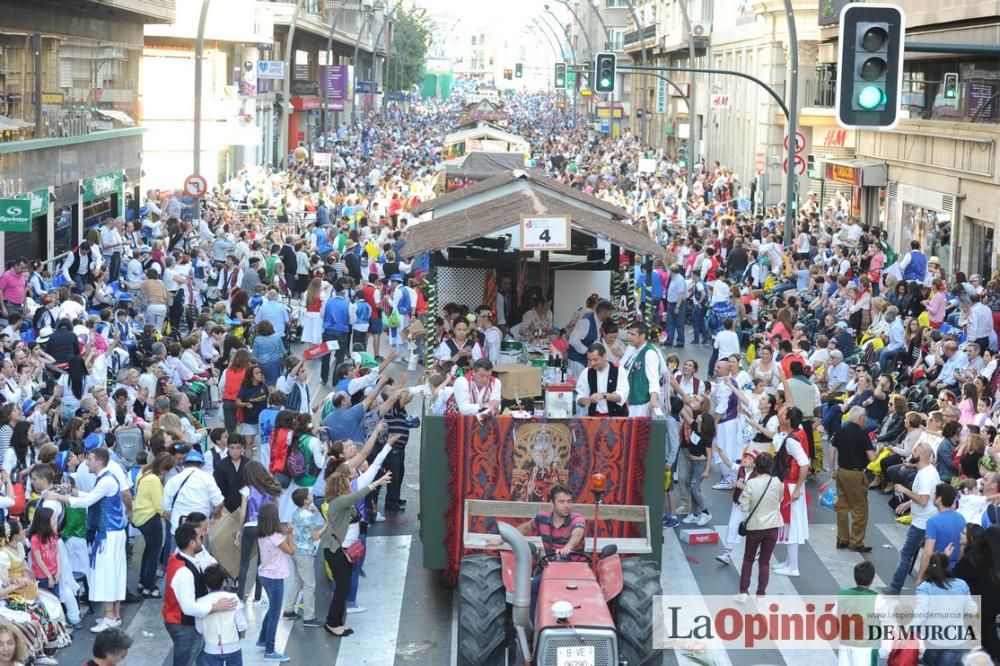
[{"x": 576, "y": 655}]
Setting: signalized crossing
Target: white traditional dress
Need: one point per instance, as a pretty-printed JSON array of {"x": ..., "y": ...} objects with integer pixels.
[
  {"x": 106, "y": 515},
  {"x": 794, "y": 512}
]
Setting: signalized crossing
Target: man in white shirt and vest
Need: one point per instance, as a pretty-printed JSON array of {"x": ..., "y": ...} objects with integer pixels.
[
  {"x": 644, "y": 366},
  {"x": 186, "y": 597},
  {"x": 603, "y": 388},
  {"x": 107, "y": 520},
  {"x": 586, "y": 332},
  {"x": 480, "y": 394}
]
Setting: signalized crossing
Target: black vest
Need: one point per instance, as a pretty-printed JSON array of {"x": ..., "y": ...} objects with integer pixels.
[{"x": 614, "y": 408}]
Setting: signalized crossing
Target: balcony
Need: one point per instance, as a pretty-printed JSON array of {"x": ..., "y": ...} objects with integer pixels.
[
  {"x": 315, "y": 17},
  {"x": 150, "y": 11},
  {"x": 632, "y": 39},
  {"x": 822, "y": 93},
  {"x": 229, "y": 21}
]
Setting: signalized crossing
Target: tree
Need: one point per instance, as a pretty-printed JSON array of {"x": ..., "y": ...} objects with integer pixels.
[{"x": 411, "y": 37}]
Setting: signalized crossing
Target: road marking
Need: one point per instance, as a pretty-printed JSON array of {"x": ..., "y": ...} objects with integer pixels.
[
  {"x": 840, "y": 563},
  {"x": 381, "y": 592},
  {"x": 779, "y": 586},
  {"x": 149, "y": 650},
  {"x": 677, "y": 578},
  {"x": 894, "y": 535},
  {"x": 453, "y": 660}
]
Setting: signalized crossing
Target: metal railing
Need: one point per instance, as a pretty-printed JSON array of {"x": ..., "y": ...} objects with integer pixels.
[{"x": 648, "y": 32}]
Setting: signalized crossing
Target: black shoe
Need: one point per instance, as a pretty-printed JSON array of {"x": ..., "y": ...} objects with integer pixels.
[
  {"x": 841, "y": 545},
  {"x": 401, "y": 502},
  {"x": 395, "y": 508},
  {"x": 861, "y": 549}
]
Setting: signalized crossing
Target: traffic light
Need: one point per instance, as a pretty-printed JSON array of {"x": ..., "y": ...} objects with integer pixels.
[
  {"x": 507, "y": 75},
  {"x": 870, "y": 68},
  {"x": 560, "y": 79},
  {"x": 518, "y": 70},
  {"x": 605, "y": 72},
  {"x": 950, "y": 86}
]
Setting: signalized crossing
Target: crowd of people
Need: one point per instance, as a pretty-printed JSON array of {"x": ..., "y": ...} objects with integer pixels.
[{"x": 159, "y": 384}]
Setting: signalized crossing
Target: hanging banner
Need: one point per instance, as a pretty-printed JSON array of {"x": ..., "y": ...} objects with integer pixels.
[
  {"x": 15, "y": 214},
  {"x": 661, "y": 96}
]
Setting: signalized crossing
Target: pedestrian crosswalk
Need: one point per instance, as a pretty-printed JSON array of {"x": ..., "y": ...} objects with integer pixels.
[{"x": 693, "y": 570}]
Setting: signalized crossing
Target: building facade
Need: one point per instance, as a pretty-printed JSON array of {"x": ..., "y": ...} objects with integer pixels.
[
  {"x": 940, "y": 163},
  {"x": 70, "y": 79}
]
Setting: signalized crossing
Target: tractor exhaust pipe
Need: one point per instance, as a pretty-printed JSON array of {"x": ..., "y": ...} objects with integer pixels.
[{"x": 521, "y": 612}]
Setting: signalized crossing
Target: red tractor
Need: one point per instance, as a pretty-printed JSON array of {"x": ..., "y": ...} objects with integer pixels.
[{"x": 594, "y": 610}]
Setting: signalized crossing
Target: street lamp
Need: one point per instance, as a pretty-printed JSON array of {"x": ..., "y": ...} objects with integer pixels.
[
  {"x": 644, "y": 123},
  {"x": 583, "y": 31},
  {"x": 565, "y": 31},
  {"x": 365, "y": 21}
]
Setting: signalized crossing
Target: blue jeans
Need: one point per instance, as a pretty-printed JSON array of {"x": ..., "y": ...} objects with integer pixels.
[
  {"x": 152, "y": 534},
  {"x": 352, "y": 595},
  {"x": 275, "y": 588},
  {"x": 698, "y": 323},
  {"x": 230, "y": 659},
  {"x": 696, "y": 469},
  {"x": 676, "y": 313},
  {"x": 188, "y": 644},
  {"x": 914, "y": 537},
  {"x": 934, "y": 657},
  {"x": 888, "y": 354}
]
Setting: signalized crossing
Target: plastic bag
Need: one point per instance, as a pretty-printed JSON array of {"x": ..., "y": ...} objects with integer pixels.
[{"x": 828, "y": 496}]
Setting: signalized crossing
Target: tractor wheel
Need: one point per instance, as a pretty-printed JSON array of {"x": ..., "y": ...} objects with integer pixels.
[
  {"x": 482, "y": 612},
  {"x": 634, "y": 611}
]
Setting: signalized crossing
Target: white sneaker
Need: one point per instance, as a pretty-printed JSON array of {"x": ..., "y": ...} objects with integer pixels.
[
  {"x": 356, "y": 609},
  {"x": 741, "y": 598},
  {"x": 690, "y": 519},
  {"x": 725, "y": 558},
  {"x": 261, "y": 603},
  {"x": 704, "y": 519},
  {"x": 722, "y": 485},
  {"x": 379, "y": 518},
  {"x": 113, "y": 624},
  {"x": 100, "y": 625},
  {"x": 786, "y": 572}
]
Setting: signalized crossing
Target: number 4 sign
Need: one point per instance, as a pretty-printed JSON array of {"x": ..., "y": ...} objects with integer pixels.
[{"x": 545, "y": 233}]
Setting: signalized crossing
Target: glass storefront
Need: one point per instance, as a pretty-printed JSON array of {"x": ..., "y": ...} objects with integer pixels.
[
  {"x": 981, "y": 244},
  {"x": 932, "y": 228},
  {"x": 64, "y": 230}
]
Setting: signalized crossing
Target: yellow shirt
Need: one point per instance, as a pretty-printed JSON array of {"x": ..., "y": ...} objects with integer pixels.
[{"x": 148, "y": 499}]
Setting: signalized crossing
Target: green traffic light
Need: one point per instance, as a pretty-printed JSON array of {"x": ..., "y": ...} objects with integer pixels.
[{"x": 871, "y": 97}]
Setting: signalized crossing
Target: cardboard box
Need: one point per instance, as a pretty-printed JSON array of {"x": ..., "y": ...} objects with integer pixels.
[
  {"x": 519, "y": 381},
  {"x": 700, "y": 536}
]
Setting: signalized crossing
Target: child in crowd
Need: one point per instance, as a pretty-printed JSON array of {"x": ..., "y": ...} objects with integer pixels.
[
  {"x": 222, "y": 630},
  {"x": 971, "y": 502},
  {"x": 45, "y": 549},
  {"x": 275, "y": 546},
  {"x": 744, "y": 472},
  {"x": 307, "y": 528}
]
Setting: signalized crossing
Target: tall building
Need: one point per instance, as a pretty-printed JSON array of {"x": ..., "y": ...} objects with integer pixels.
[
  {"x": 69, "y": 75},
  {"x": 935, "y": 177}
]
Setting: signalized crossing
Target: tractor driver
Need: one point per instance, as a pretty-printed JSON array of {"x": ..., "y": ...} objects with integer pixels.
[{"x": 561, "y": 529}]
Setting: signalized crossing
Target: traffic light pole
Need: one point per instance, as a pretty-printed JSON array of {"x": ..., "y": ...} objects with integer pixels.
[
  {"x": 702, "y": 70},
  {"x": 791, "y": 180}
]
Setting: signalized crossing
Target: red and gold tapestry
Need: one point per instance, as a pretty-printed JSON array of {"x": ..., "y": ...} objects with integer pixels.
[{"x": 504, "y": 458}]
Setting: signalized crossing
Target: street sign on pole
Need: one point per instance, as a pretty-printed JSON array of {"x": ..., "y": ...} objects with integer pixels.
[
  {"x": 15, "y": 214},
  {"x": 661, "y": 96},
  {"x": 800, "y": 142},
  {"x": 800, "y": 166},
  {"x": 195, "y": 186},
  {"x": 760, "y": 161},
  {"x": 270, "y": 69}
]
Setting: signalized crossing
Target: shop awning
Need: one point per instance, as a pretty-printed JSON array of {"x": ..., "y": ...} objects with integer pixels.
[
  {"x": 8, "y": 124},
  {"x": 120, "y": 116},
  {"x": 856, "y": 172}
]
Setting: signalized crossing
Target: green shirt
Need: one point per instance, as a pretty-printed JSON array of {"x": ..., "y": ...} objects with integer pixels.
[
  {"x": 860, "y": 600},
  {"x": 638, "y": 383}
]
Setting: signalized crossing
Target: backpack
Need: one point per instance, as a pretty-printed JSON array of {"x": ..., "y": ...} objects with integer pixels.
[
  {"x": 279, "y": 449},
  {"x": 310, "y": 470},
  {"x": 362, "y": 311},
  {"x": 295, "y": 462},
  {"x": 128, "y": 444}
]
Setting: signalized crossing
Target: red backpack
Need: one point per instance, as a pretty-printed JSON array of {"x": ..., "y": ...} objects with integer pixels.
[{"x": 280, "y": 440}]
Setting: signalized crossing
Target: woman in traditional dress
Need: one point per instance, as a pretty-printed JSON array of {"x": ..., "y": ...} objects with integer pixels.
[{"x": 792, "y": 467}]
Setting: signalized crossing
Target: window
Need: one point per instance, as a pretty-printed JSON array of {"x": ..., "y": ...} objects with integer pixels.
[
  {"x": 616, "y": 40},
  {"x": 612, "y": 4}
]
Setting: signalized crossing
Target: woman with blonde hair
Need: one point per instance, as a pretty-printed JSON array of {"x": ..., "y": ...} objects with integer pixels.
[
  {"x": 13, "y": 647},
  {"x": 147, "y": 510},
  {"x": 342, "y": 513}
]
